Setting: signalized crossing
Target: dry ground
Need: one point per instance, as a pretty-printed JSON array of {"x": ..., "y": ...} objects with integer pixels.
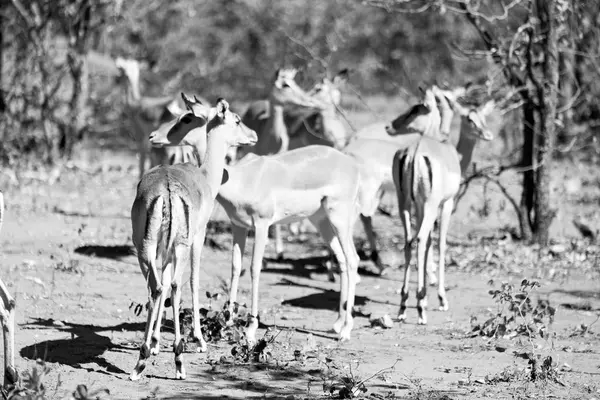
[{"x": 66, "y": 257}]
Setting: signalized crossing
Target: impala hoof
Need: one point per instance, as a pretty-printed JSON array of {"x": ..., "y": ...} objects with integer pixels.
[
  {"x": 134, "y": 376},
  {"x": 422, "y": 321},
  {"x": 180, "y": 375},
  {"x": 443, "y": 308},
  {"x": 201, "y": 346},
  {"x": 401, "y": 318},
  {"x": 338, "y": 325}
]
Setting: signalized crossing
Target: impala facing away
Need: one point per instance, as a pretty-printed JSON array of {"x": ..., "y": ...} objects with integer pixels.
[
  {"x": 7, "y": 318},
  {"x": 427, "y": 177},
  {"x": 262, "y": 191},
  {"x": 169, "y": 216},
  {"x": 145, "y": 114}
]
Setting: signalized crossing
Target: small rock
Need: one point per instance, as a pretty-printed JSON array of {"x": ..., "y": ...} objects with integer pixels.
[
  {"x": 384, "y": 321},
  {"x": 557, "y": 249}
]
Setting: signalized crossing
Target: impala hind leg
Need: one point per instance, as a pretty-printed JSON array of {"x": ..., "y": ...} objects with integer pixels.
[
  {"x": 444, "y": 223},
  {"x": 182, "y": 259},
  {"x": 197, "y": 245},
  {"x": 328, "y": 234},
  {"x": 429, "y": 214},
  {"x": 342, "y": 221},
  {"x": 154, "y": 297},
  {"x": 239, "y": 243},
  {"x": 367, "y": 222},
  {"x": 166, "y": 282},
  {"x": 260, "y": 241},
  {"x": 405, "y": 215}
]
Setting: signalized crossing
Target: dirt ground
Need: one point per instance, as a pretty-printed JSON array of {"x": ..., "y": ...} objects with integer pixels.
[{"x": 66, "y": 256}]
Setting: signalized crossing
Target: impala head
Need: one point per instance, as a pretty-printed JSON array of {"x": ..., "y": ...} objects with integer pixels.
[
  {"x": 328, "y": 90},
  {"x": 475, "y": 120},
  {"x": 421, "y": 118},
  {"x": 230, "y": 126},
  {"x": 185, "y": 130},
  {"x": 286, "y": 92}
]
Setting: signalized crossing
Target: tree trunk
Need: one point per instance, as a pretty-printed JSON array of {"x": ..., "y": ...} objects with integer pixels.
[
  {"x": 2, "y": 102},
  {"x": 567, "y": 85},
  {"x": 544, "y": 214},
  {"x": 528, "y": 194},
  {"x": 77, "y": 125}
]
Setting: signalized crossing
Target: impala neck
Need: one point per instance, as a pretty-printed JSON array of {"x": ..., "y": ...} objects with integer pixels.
[
  {"x": 214, "y": 161},
  {"x": 465, "y": 146},
  {"x": 132, "y": 91},
  {"x": 276, "y": 126}
]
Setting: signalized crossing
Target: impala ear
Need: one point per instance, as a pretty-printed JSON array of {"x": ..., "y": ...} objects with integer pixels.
[
  {"x": 222, "y": 108},
  {"x": 225, "y": 176},
  {"x": 197, "y": 100},
  {"x": 188, "y": 102},
  {"x": 488, "y": 107}
]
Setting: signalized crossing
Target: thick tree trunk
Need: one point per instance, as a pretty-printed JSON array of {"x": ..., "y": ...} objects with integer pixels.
[
  {"x": 528, "y": 194},
  {"x": 544, "y": 213}
]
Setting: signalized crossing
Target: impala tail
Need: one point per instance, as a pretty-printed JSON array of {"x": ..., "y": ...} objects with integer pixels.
[{"x": 164, "y": 220}]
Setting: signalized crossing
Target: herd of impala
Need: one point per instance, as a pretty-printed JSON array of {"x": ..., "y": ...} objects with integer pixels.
[{"x": 288, "y": 159}]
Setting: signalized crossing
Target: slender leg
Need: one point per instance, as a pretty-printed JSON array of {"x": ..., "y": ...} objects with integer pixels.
[
  {"x": 322, "y": 223},
  {"x": 278, "y": 242},
  {"x": 239, "y": 243},
  {"x": 195, "y": 287},
  {"x": 7, "y": 315},
  {"x": 342, "y": 218},
  {"x": 260, "y": 240},
  {"x": 166, "y": 282},
  {"x": 444, "y": 222},
  {"x": 154, "y": 296},
  {"x": 323, "y": 226},
  {"x": 182, "y": 258},
  {"x": 408, "y": 240},
  {"x": 142, "y": 150},
  {"x": 368, "y": 226},
  {"x": 423, "y": 245}
]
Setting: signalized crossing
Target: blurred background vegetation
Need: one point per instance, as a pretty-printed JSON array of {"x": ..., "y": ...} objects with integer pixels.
[{"x": 58, "y": 82}]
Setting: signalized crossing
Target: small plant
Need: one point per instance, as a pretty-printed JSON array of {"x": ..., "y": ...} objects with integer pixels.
[
  {"x": 31, "y": 387},
  {"x": 217, "y": 324},
  {"x": 243, "y": 352},
  {"x": 516, "y": 314},
  {"x": 347, "y": 386}
]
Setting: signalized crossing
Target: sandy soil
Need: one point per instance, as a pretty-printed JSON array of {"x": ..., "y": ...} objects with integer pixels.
[{"x": 66, "y": 255}]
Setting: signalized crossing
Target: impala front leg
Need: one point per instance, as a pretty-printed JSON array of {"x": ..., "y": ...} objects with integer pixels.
[
  {"x": 7, "y": 315},
  {"x": 261, "y": 235},
  {"x": 239, "y": 243},
  {"x": 278, "y": 242}
]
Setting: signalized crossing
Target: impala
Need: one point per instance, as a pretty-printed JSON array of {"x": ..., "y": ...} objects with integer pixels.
[
  {"x": 427, "y": 176},
  {"x": 169, "y": 215},
  {"x": 265, "y": 190}
]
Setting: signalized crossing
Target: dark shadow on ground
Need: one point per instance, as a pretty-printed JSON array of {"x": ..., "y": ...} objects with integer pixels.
[
  {"x": 112, "y": 252},
  {"x": 328, "y": 297},
  {"x": 584, "y": 294},
  {"x": 305, "y": 266},
  {"x": 255, "y": 380},
  {"x": 68, "y": 213},
  {"x": 85, "y": 346}
]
